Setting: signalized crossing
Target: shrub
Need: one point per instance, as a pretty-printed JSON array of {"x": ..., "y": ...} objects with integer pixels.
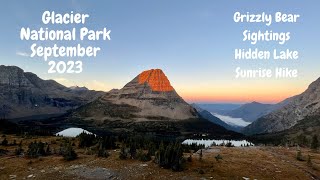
[
  {"x": 4, "y": 142},
  {"x": 152, "y": 149},
  {"x": 123, "y": 153},
  {"x": 218, "y": 157},
  {"x": 102, "y": 152},
  {"x": 69, "y": 153},
  {"x": 315, "y": 142},
  {"x": 3, "y": 152},
  {"x": 194, "y": 147},
  {"x": 35, "y": 149},
  {"x": 133, "y": 150},
  {"x": 48, "y": 150},
  {"x": 190, "y": 158},
  {"x": 201, "y": 171},
  {"x": 229, "y": 144},
  {"x": 179, "y": 164},
  {"x": 309, "y": 163},
  {"x": 142, "y": 156},
  {"x": 299, "y": 156},
  {"x": 18, "y": 151},
  {"x": 200, "y": 155}
]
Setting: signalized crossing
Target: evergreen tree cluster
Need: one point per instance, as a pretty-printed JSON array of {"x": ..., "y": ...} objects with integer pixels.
[
  {"x": 96, "y": 144},
  {"x": 170, "y": 157},
  {"x": 167, "y": 153},
  {"x": 136, "y": 148},
  {"x": 19, "y": 150},
  {"x": 87, "y": 140},
  {"x": 36, "y": 149},
  {"x": 315, "y": 143},
  {"x": 66, "y": 150},
  {"x": 194, "y": 147},
  {"x": 4, "y": 142}
]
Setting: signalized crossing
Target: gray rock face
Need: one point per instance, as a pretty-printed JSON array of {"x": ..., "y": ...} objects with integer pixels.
[
  {"x": 296, "y": 109},
  {"x": 24, "y": 94},
  {"x": 139, "y": 101},
  {"x": 77, "y": 88}
]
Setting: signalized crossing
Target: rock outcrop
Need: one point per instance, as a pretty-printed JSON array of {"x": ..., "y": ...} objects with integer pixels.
[
  {"x": 148, "y": 96},
  {"x": 156, "y": 79}
]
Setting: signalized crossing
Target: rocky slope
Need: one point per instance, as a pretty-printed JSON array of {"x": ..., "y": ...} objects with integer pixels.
[
  {"x": 300, "y": 134},
  {"x": 296, "y": 109},
  {"x": 148, "y": 96},
  {"x": 25, "y": 95}
]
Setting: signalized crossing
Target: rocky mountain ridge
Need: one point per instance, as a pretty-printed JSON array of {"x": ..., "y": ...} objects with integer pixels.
[
  {"x": 24, "y": 94},
  {"x": 148, "y": 96},
  {"x": 295, "y": 109}
]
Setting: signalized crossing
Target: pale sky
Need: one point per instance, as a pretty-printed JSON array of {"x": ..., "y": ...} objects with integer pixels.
[{"x": 193, "y": 42}]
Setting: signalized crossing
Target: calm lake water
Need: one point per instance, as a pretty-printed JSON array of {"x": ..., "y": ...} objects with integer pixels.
[
  {"x": 72, "y": 132},
  {"x": 210, "y": 142}
]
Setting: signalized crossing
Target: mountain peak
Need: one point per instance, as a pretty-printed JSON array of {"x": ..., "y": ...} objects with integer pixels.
[
  {"x": 156, "y": 79},
  {"x": 148, "y": 96},
  {"x": 78, "y": 88},
  {"x": 256, "y": 103}
]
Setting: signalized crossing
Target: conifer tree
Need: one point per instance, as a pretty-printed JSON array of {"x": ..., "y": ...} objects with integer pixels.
[
  {"x": 123, "y": 154},
  {"x": 315, "y": 142},
  {"x": 4, "y": 142}
]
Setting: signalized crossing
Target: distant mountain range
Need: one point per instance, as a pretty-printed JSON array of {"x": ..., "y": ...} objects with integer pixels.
[
  {"x": 218, "y": 107},
  {"x": 254, "y": 110},
  {"x": 209, "y": 116},
  {"x": 248, "y": 112},
  {"x": 294, "y": 110}
]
